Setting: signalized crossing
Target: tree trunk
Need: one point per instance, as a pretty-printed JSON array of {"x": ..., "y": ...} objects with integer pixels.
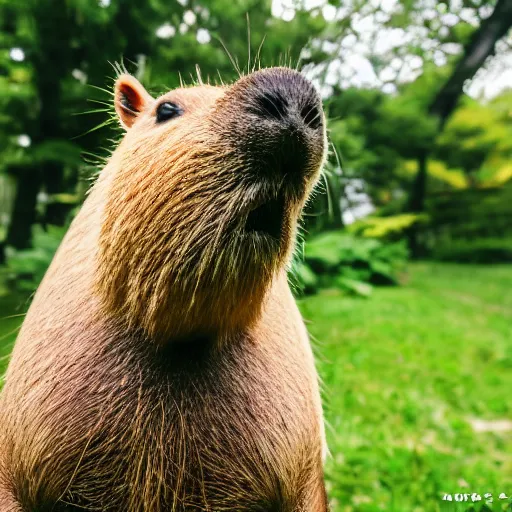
[
  {"x": 417, "y": 203},
  {"x": 51, "y": 64},
  {"x": 53, "y": 174},
  {"x": 28, "y": 184},
  {"x": 418, "y": 194}
]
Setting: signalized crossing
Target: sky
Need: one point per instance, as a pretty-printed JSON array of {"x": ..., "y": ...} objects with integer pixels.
[{"x": 354, "y": 67}]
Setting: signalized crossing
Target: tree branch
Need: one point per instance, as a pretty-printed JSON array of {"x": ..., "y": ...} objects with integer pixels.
[{"x": 481, "y": 45}]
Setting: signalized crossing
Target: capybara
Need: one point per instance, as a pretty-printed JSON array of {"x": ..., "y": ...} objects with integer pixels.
[{"x": 163, "y": 364}]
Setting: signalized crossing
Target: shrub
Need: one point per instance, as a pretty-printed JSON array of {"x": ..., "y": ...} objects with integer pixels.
[
  {"x": 476, "y": 213},
  {"x": 482, "y": 250},
  {"x": 26, "y": 268},
  {"x": 388, "y": 228},
  {"x": 348, "y": 262}
]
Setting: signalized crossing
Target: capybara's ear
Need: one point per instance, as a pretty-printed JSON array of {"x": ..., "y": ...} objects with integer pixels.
[{"x": 130, "y": 99}]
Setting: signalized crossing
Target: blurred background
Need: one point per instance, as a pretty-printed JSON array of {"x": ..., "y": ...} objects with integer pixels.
[{"x": 403, "y": 272}]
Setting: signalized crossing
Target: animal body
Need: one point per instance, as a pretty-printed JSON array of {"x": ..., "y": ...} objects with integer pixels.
[{"x": 163, "y": 364}]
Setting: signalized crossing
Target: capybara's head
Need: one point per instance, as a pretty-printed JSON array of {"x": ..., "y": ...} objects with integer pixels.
[{"x": 205, "y": 192}]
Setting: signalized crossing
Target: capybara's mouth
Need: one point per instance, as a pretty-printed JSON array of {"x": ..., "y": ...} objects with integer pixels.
[{"x": 267, "y": 218}]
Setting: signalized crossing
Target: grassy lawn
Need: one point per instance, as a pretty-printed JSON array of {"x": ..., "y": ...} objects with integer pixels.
[
  {"x": 417, "y": 388},
  {"x": 411, "y": 378}
]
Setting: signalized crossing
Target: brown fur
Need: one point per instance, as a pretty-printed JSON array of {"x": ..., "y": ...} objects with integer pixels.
[{"x": 163, "y": 365}]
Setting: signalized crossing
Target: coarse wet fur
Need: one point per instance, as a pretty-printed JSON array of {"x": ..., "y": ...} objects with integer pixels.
[{"x": 163, "y": 364}]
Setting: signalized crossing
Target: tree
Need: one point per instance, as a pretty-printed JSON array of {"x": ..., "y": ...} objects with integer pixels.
[
  {"x": 389, "y": 47},
  {"x": 479, "y": 47},
  {"x": 65, "y": 46}
]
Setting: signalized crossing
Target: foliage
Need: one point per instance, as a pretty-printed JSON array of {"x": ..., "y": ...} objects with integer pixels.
[
  {"x": 302, "y": 279},
  {"x": 440, "y": 176},
  {"x": 65, "y": 70},
  {"x": 56, "y": 63},
  {"x": 361, "y": 134},
  {"x": 25, "y": 268},
  {"x": 471, "y": 213},
  {"x": 478, "y": 140},
  {"x": 480, "y": 250},
  {"x": 350, "y": 263},
  {"x": 410, "y": 366},
  {"x": 405, "y": 379},
  {"x": 379, "y": 138},
  {"x": 389, "y": 228}
]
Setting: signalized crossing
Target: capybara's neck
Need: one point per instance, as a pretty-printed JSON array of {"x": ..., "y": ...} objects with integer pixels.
[
  {"x": 155, "y": 270},
  {"x": 129, "y": 286}
]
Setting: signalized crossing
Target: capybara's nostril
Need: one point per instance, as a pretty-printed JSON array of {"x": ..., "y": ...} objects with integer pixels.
[
  {"x": 311, "y": 113},
  {"x": 272, "y": 105}
]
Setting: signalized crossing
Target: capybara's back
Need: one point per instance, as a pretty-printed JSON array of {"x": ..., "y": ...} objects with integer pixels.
[{"x": 163, "y": 364}]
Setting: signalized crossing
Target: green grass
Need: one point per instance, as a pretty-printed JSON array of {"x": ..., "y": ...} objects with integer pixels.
[{"x": 404, "y": 373}]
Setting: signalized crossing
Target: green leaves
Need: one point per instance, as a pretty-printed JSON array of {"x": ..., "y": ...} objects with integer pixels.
[
  {"x": 57, "y": 150},
  {"x": 388, "y": 228},
  {"x": 350, "y": 263},
  {"x": 26, "y": 268}
]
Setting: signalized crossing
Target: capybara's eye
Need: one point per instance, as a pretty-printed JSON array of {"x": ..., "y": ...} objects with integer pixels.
[{"x": 167, "y": 110}]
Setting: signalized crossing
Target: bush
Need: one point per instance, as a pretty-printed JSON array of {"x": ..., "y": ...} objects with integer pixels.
[
  {"x": 388, "y": 228},
  {"x": 348, "y": 262},
  {"x": 483, "y": 250},
  {"x": 26, "y": 268},
  {"x": 476, "y": 213}
]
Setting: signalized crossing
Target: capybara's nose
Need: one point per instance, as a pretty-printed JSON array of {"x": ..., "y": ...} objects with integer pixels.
[
  {"x": 287, "y": 98},
  {"x": 287, "y": 134}
]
